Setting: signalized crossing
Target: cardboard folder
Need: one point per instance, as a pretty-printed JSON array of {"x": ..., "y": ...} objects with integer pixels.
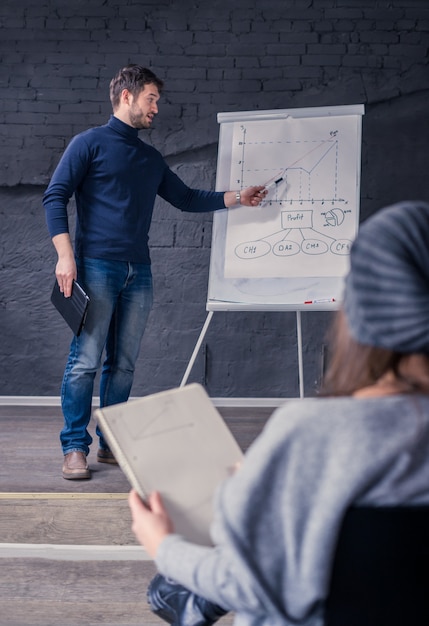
[{"x": 177, "y": 443}]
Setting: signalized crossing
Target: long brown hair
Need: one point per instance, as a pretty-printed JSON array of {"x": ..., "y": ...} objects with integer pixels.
[{"x": 352, "y": 365}]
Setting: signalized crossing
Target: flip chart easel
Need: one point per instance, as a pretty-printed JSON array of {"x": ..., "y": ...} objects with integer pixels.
[
  {"x": 299, "y": 344},
  {"x": 292, "y": 252}
]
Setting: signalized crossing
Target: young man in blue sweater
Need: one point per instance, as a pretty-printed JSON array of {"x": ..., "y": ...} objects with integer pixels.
[{"x": 115, "y": 178}]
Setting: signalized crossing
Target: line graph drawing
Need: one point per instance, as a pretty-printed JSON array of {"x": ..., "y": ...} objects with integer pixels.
[
  {"x": 299, "y": 175},
  {"x": 310, "y": 212}
]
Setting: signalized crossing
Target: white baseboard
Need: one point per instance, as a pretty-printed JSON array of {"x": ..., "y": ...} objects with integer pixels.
[
  {"x": 65, "y": 552},
  {"x": 220, "y": 402}
]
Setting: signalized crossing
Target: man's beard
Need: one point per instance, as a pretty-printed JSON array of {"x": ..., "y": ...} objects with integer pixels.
[{"x": 138, "y": 120}]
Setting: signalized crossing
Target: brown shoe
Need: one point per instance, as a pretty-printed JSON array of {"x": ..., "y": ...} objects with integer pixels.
[
  {"x": 106, "y": 456},
  {"x": 75, "y": 466}
]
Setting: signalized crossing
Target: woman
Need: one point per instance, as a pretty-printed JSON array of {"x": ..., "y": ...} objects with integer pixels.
[{"x": 365, "y": 443}]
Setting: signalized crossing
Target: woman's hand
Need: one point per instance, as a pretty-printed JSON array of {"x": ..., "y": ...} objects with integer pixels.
[{"x": 151, "y": 524}]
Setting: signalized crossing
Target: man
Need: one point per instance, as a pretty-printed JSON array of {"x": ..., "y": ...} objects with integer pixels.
[{"x": 115, "y": 178}]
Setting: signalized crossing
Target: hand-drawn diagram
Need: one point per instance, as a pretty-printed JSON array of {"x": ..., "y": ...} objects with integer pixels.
[{"x": 309, "y": 218}]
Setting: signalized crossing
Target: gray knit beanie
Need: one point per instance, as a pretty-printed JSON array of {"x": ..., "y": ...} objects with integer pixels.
[{"x": 386, "y": 295}]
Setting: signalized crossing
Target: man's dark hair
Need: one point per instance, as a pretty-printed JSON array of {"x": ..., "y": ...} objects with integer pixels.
[{"x": 134, "y": 78}]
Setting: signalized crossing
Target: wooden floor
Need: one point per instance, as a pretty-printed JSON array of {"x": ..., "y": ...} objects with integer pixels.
[{"x": 67, "y": 553}]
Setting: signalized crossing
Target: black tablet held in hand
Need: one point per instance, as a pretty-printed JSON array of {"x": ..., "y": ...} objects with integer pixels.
[{"x": 74, "y": 308}]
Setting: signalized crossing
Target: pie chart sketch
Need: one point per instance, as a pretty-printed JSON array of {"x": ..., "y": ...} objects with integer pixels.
[{"x": 334, "y": 217}]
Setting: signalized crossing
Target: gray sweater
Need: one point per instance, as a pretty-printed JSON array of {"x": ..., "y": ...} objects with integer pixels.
[{"x": 277, "y": 519}]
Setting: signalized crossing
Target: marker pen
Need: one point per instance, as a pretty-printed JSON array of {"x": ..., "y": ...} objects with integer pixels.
[
  {"x": 323, "y": 300},
  {"x": 274, "y": 183}
]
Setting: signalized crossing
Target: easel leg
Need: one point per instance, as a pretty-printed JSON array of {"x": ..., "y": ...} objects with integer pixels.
[
  {"x": 196, "y": 349},
  {"x": 300, "y": 361}
]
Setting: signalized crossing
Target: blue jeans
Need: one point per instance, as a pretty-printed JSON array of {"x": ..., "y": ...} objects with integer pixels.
[{"x": 120, "y": 302}]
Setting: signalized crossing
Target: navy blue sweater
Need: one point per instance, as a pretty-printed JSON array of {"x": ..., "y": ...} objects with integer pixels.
[{"x": 115, "y": 178}]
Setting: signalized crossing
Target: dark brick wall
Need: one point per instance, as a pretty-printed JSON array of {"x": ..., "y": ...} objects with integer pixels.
[{"x": 57, "y": 58}]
